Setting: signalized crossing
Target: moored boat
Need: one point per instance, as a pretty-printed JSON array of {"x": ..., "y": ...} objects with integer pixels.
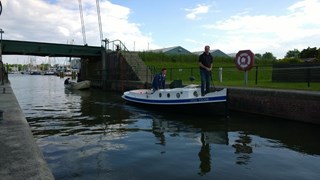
[
  {"x": 50, "y": 73},
  {"x": 177, "y": 96},
  {"x": 78, "y": 85}
]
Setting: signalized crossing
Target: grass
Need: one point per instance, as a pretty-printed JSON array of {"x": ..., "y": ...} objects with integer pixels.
[{"x": 182, "y": 67}]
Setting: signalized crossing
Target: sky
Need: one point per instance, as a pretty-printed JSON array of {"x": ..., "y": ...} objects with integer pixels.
[{"x": 275, "y": 26}]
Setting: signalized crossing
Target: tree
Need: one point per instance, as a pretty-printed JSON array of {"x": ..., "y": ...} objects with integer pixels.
[
  {"x": 45, "y": 67},
  {"x": 293, "y": 54},
  {"x": 257, "y": 56},
  {"x": 268, "y": 56},
  {"x": 20, "y": 67},
  {"x": 309, "y": 53}
]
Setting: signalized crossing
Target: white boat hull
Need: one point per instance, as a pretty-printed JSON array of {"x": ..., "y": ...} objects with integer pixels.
[
  {"x": 78, "y": 85},
  {"x": 176, "y": 96}
]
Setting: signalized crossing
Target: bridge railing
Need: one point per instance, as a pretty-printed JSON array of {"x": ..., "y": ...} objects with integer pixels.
[
  {"x": 132, "y": 58},
  {"x": 115, "y": 45}
]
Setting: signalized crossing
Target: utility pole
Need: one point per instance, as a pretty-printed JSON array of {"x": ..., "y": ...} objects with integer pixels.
[{"x": 1, "y": 31}]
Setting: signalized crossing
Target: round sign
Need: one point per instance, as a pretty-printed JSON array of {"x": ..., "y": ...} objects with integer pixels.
[{"x": 244, "y": 60}]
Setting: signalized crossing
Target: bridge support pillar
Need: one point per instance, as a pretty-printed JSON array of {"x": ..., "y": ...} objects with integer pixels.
[{"x": 104, "y": 69}]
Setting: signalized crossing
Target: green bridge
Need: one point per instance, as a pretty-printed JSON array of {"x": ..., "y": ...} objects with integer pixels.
[
  {"x": 13, "y": 47},
  {"x": 111, "y": 66}
]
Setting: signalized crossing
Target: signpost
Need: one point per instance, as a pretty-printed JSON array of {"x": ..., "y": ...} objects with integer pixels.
[
  {"x": 1, "y": 62},
  {"x": 0, "y": 8},
  {"x": 244, "y": 62}
]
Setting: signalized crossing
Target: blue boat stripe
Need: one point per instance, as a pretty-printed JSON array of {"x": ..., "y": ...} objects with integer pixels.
[{"x": 179, "y": 101}]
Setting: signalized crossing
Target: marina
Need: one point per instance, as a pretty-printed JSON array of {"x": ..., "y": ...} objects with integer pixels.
[
  {"x": 82, "y": 100},
  {"x": 94, "y": 134}
]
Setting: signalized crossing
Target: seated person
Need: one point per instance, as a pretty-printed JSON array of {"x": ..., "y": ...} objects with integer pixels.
[
  {"x": 159, "y": 80},
  {"x": 67, "y": 81}
]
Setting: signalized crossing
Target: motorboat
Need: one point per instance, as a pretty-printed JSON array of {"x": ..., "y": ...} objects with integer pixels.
[
  {"x": 187, "y": 95},
  {"x": 78, "y": 85},
  {"x": 50, "y": 73}
]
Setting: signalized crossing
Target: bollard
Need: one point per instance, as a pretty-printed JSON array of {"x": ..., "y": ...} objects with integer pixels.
[{"x": 220, "y": 74}]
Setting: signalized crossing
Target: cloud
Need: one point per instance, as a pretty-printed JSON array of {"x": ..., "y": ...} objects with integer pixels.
[
  {"x": 200, "y": 9},
  {"x": 262, "y": 32},
  {"x": 59, "y": 22}
]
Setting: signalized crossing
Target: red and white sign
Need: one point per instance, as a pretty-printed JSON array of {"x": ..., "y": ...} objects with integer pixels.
[{"x": 244, "y": 60}]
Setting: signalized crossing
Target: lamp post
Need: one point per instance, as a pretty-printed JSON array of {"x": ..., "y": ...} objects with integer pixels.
[
  {"x": 106, "y": 41},
  {"x": 1, "y": 63},
  {"x": 1, "y": 31}
]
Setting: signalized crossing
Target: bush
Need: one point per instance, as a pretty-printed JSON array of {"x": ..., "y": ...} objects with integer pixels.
[{"x": 290, "y": 60}]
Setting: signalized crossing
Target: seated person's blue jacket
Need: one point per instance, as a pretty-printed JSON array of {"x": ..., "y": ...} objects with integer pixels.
[{"x": 158, "y": 82}]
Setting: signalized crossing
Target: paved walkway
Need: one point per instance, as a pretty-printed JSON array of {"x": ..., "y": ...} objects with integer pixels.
[{"x": 20, "y": 157}]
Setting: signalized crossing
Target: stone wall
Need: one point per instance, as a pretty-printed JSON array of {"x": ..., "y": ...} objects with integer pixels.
[{"x": 288, "y": 104}]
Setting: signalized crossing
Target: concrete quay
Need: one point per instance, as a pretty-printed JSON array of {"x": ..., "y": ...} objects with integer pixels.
[
  {"x": 296, "y": 105},
  {"x": 20, "y": 156}
]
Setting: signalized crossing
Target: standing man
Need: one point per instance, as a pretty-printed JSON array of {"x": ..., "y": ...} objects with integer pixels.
[
  {"x": 205, "y": 63},
  {"x": 159, "y": 80}
]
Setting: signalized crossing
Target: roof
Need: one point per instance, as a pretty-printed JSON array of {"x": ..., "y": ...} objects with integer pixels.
[
  {"x": 181, "y": 50},
  {"x": 309, "y": 59},
  {"x": 214, "y": 52},
  {"x": 172, "y": 50}
]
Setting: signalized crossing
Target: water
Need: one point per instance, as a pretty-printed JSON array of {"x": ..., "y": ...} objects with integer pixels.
[{"x": 95, "y": 135}]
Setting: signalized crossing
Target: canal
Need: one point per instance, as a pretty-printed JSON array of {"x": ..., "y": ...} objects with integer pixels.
[{"x": 95, "y": 135}]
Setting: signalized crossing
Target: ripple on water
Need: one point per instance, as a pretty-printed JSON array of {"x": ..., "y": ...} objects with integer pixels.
[{"x": 94, "y": 135}]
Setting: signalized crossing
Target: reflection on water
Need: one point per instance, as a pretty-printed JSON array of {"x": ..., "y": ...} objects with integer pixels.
[
  {"x": 96, "y": 135},
  {"x": 204, "y": 156},
  {"x": 243, "y": 148}
]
